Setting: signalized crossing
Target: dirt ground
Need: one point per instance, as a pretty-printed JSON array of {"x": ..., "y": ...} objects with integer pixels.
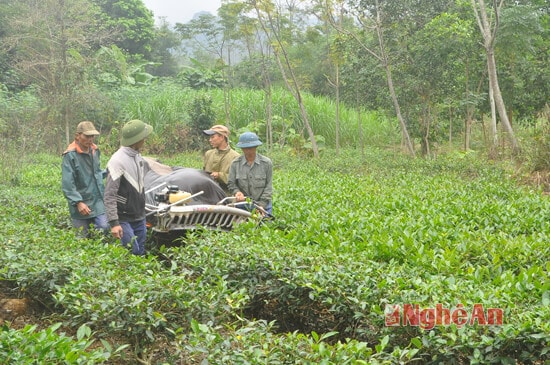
[
  {"x": 541, "y": 179},
  {"x": 17, "y": 310}
]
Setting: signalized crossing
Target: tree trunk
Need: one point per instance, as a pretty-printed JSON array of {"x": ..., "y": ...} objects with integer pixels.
[
  {"x": 488, "y": 31},
  {"x": 268, "y": 101},
  {"x": 337, "y": 132},
  {"x": 494, "y": 131},
  {"x": 385, "y": 62},
  {"x": 499, "y": 101},
  {"x": 468, "y": 132},
  {"x": 469, "y": 109},
  {"x": 425, "y": 123},
  {"x": 294, "y": 88},
  {"x": 359, "y": 126},
  {"x": 383, "y": 59},
  {"x": 450, "y": 127},
  {"x": 226, "y": 87},
  {"x": 269, "y": 115},
  {"x": 402, "y": 123}
]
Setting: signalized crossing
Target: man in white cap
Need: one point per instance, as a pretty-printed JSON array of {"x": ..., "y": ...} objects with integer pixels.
[
  {"x": 124, "y": 189},
  {"x": 218, "y": 160},
  {"x": 82, "y": 181},
  {"x": 251, "y": 175}
]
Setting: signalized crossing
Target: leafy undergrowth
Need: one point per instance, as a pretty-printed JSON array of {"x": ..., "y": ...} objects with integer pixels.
[{"x": 352, "y": 240}]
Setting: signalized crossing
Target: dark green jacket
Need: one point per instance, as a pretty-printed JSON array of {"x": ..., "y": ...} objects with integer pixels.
[{"x": 82, "y": 180}]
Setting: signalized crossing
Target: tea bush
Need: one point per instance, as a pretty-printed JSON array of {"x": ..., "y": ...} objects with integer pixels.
[
  {"x": 29, "y": 346},
  {"x": 352, "y": 235}
]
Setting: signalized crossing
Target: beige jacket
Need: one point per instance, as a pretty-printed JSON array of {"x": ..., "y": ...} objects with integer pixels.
[{"x": 220, "y": 161}]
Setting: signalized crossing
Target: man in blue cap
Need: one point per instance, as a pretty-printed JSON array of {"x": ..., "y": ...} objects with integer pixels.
[
  {"x": 125, "y": 190},
  {"x": 251, "y": 174}
]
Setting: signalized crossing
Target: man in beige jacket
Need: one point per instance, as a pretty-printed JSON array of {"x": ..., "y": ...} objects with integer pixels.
[{"x": 218, "y": 160}]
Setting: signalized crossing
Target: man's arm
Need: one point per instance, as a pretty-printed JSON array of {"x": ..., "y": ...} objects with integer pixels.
[
  {"x": 232, "y": 178},
  {"x": 266, "y": 196},
  {"x": 110, "y": 199},
  {"x": 207, "y": 161},
  {"x": 68, "y": 181}
]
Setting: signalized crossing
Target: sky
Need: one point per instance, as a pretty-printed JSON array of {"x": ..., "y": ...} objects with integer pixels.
[{"x": 181, "y": 11}]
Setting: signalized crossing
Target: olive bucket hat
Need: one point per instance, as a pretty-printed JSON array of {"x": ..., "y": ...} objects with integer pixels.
[
  {"x": 248, "y": 139},
  {"x": 134, "y": 131}
]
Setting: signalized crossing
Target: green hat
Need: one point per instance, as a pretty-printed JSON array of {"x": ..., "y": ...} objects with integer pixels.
[{"x": 134, "y": 131}]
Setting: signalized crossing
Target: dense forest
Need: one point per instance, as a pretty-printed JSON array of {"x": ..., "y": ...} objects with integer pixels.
[{"x": 437, "y": 70}]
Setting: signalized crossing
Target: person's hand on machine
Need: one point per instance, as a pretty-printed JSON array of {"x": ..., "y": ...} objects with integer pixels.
[{"x": 239, "y": 196}]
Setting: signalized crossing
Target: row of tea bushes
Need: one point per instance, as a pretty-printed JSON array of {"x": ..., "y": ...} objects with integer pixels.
[{"x": 312, "y": 286}]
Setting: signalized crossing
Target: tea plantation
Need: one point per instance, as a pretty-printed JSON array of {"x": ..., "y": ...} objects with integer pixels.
[{"x": 376, "y": 259}]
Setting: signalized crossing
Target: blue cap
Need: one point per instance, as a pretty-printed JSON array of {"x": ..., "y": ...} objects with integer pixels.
[{"x": 248, "y": 139}]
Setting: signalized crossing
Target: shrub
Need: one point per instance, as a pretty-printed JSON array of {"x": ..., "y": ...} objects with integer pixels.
[{"x": 29, "y": 346}]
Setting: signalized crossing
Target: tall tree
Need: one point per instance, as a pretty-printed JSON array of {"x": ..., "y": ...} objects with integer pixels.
[
  {"x": 51, "y": 41},
  {"x": 132, "y": 23},
  {"x": 257, "y": 64},
  {"x": 488, "y": 27},
  {"x": 336, "y": 55},
  {"x": 269, "y": 18},
  {"x": 386, "y": 63},
  {"x": 166, "y": 50},
  {"x": 522, "y": 51},
  {"x": 442, "y": 73},
  {"x": 214, "y": 36},
  {"x": 370, "y": 16},
  {"x": 6, "y": 55}
]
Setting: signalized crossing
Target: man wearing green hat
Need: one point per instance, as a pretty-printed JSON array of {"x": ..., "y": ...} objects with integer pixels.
[{"x": 124, "y": 195}]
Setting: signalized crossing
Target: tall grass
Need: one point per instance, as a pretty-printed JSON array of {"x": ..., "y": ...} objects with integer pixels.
[
  {"x": 248, "y": 107},
  {"x": 159, "y": 105},
  {"x": 168, "y": 107},
  {"x": 167, "y": 104}
]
